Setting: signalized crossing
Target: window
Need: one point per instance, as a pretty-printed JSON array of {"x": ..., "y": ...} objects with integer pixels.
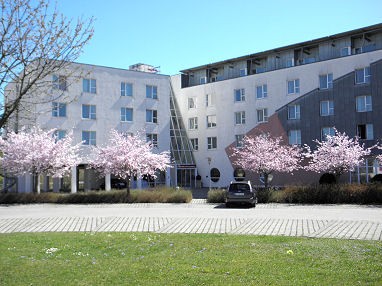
[
  {"x": 58, "y": 109},
  {"x": 151, "y": 91},
  {"x": 59, "y": 82},
  {"x": 326, "y": 81},
  {"x": 239, "y": 95},
  {"x": 326, "y": 131},
  {"x": 364, "y": 103},
  {"x": 89, "y": 138},
  {"x": 59, "y": 134},
  {"x": 89, "y": 85},
  {"x": 345, "y": 51},
  {"x": 152, "y": 138},
  {"x": 294, "y": 137},
  {"x": 193, "y": 123},
  {"x": 365, "y": 131},
  {"x": 203, "y": 80},
  {"x": 239, "y": 140},
  {"x": 210, "y": 100},
  {"x": 191, "y": 102},
  {"x": 240, "y": 117},
  {"x": 212, "y": 143},
  {"x": 262, "y": 115},
  {"x": 293, "y": 86},
  {"x": 243, "y": 72},
  {"x": 194, "y": 144},
  {"x": 88, "y": 111},
  {"x": 151, "y": 116},
  {"x": 126, "y": 89},
  {"x": 261, "y": 91},
  {"x": 126, "y": 114},
  {"x": 294, "y": 111},
  {"x": 362, "y": 75},
  {"x": 211, "y": 121},
  {"x": 326, "y": 107},
  {"x": 290, "y": 62}
]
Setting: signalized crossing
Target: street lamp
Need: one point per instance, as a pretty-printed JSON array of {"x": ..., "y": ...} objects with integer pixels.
[{"x": 209, "y": 159}]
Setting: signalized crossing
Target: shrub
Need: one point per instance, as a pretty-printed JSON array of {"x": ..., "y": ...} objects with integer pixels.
[
  {"x": 216, "y": 196},
  {"x": 156, "y": 195}
]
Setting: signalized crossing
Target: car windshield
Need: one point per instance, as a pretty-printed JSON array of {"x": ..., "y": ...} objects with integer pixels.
[{"x": 239, "y": 188}]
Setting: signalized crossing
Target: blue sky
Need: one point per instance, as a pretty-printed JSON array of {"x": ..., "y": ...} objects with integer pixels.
[{"x": 180, "y": 34}]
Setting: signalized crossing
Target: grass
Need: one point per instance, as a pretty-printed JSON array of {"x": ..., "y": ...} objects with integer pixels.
[{"x": 185, "y": 259}]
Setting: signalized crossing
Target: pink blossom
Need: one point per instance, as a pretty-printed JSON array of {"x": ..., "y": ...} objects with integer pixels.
[
  {"x": 336, "y": 155},
  {"x": 264, "y": 154},
  {"x": 129, "y": 156},
  {"x": 38, "y": 152}
]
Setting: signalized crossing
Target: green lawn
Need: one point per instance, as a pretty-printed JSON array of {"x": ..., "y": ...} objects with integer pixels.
[{"x": 185, "y": 259}]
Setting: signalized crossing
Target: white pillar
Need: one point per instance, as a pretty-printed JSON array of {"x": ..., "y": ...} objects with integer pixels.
[
  {"x": 74, "y": 180},
  {"x": 139, "y": 182},
  {"x": 168, "y": 177},
  {"x": 46, "y": 183},
  {"x": 28, "y": 183},
  {"x": 107, "y": 182}
]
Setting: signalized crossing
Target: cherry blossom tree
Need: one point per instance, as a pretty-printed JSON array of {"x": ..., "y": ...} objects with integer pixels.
[
  {"x": 336, "y": 155},
  {"x": 264, "y": 154},
  {"x": 36, "y": 41},
  {"x": 38, "y": 152},
  {"x": 128, "y": 156}
]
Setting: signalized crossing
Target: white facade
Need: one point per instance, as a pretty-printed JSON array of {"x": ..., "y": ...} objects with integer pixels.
[
  {"x": 224, "y": 105},
  {"x": 91, "y": 106}
]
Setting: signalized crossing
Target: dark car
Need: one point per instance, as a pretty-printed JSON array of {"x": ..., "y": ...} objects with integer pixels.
[
  {"x": 115, "y": 184},
  {"x": 240, "y": 193}
]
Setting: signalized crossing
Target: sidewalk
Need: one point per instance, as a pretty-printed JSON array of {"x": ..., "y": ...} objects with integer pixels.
[{"x": 332, "y": 221}]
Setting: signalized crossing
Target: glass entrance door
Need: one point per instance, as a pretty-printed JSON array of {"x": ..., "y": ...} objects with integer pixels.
[{"x": 186, "y": 178}]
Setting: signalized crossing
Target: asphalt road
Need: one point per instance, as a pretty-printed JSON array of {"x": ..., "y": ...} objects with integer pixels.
[{"x": 334, "y": 221}]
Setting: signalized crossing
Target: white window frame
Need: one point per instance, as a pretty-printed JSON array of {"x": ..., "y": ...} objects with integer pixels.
[
  {"x": 240, "y": 118},
  {"x": 60, "y": 82},
  {"x": 151, "y": 116},
  {"x": 60, "y": 134},
  {"x": 124, "y": 112},
  {"x": 192, "y": 103},
  {"x": 326, "y": 81},
  {"x": 295, "y": 85},
  {"x": 126, "y": 89},
  {"x": 212, "y": 143},
  {"x": 294, "y": 112},
  {"x": 239, "y": 95},
  {"x": 194, "y": 142},
  {"x": 203, "y": 80},
  {"x": 58, "y": 109},
  {"x": 152, "y": 138},
  {"x": 193, "y": 123},
  {"x": 211, "y": 121},
  {"x": 262, "y": 115},
  {"x": 366, "y": 106},
  {"x": 369, "y": 131},
  {"x": 91, "y": 111},
  {"x": 89, "y": 85},
  {"x": 151, "y": 91},
  {"x": 239, "y": 140},
  {"x": 294, "y": 137},
  {"x": 326, "y": 131},
  {"x": 329, "y": 106},
  {"x": 362, "y": 75},
  {"x": 243, "y": 72},
  {"x": 92, "y": 138},
  {"x": 210, "y": 100},
  {"x": 261, "y": 91}
]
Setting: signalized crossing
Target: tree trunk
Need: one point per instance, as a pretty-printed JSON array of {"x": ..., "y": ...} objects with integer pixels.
[
  {"x": 266, "y": 181},
  {"x": 38, "y": 184},
  {"x": 128, "y": 186}
]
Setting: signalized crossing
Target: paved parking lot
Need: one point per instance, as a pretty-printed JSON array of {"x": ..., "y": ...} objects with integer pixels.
[{"x": 333, "y": 221}]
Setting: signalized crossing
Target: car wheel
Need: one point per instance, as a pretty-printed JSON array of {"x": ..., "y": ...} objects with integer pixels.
[{"x": 227, "y": 205}]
